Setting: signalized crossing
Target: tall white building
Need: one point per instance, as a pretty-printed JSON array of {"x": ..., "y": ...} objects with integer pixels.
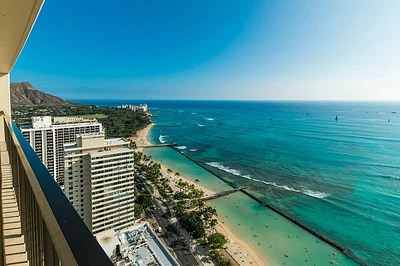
[
  {"x": 99, "y": 181},
  {"x": 48, "y": 139}
]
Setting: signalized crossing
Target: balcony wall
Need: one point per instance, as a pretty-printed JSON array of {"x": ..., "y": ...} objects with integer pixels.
[{"x": 53, "y": 232}]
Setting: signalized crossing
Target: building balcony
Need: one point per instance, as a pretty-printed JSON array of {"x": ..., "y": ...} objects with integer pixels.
[{"x": 38, "y": 224}]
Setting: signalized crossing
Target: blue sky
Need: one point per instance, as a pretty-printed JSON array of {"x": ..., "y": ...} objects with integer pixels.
[{"x": 215, "y": 49}]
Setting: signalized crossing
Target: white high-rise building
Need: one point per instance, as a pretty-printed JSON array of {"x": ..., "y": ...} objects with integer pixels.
[
  {"x": 99, "y": 181},
  {"x": 48, "y": 139}
]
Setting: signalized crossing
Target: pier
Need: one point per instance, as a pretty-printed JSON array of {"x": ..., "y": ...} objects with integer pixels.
[
  {"x": 221, "y": 194},
  {"x": 158, "y": 145}
]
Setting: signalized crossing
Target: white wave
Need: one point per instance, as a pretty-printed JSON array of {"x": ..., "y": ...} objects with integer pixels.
[
  {"x": 315, "y": 194},
  {"x": 209, "y": 118},
  {"x": 192, "y": 149},
  {"x": 178, "y": 123},
  {"x": 311, "y": 193},
  {"x": 200, "y": 125},
  {"x": 181, "y": 147},
  {"x": 193, "y": 113},
  {"x": 162, "y": 138},
  {"x": 227, "y": 169},
  {"x": 180, "y": 111}
]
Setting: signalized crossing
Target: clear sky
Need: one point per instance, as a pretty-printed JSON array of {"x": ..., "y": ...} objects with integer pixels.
[{"x": 215, "y": 49}]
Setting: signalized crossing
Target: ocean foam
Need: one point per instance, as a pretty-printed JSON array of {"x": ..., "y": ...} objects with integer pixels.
[
  {"x": 162, "y": 138},
  {"x": 193, "y": 113},
  {"x": 192, "y": 149},
  {"x": 200, "y": 125},
  {"x": 311, "y": 193},
  {"x": 181, "y": 147},
  {"x": 209, "y": 119},
  {"x": 315, "y": 194},
  {"x": 227, "y": 169}
]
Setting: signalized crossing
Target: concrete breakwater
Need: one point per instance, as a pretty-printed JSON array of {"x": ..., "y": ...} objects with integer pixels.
[
  {"x": 158, "y": 145},
  {"x": 283, "y": 214}
]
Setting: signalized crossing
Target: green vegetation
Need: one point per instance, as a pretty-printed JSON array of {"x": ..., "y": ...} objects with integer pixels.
[
  {"x": 142, "y": 202},
  {"x": 218, "y": 259},
  {"x": 117, "y": 122},
  {"x": 216, "y": 240}
]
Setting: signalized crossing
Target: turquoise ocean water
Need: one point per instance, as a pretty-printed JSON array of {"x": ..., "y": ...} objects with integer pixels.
[{"x": 339, "y": 177}]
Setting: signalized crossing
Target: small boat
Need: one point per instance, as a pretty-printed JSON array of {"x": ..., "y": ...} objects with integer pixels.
[
  {"x": 270, "y": 118},
  {"x": 286, "y": 255},
  {"x": 388, "y": 120},
  {"x": 336, "y": 118},
  {"x": 307, "y": 113},
  {"x": 394, "y": 112}
]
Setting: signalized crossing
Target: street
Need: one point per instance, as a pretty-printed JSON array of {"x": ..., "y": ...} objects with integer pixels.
[{"x": 169, "y": 233}]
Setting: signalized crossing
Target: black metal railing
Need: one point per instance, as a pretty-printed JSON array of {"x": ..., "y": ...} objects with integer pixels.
[{"x": 54, "y": 232}]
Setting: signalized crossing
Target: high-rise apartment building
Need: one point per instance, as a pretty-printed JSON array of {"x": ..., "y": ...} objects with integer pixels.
[
  {"x": 99, "y": 181},
  {"x": 48, "y": 139}
]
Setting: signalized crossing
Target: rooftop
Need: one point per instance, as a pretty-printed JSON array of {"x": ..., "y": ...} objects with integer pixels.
[{"x": 135, "y": 246}]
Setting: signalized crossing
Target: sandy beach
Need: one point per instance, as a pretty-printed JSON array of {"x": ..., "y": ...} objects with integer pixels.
[{"x": 243, "y": 253}]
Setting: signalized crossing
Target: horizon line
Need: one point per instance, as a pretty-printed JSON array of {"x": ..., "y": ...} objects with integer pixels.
[{"x": 235, "y": 100}]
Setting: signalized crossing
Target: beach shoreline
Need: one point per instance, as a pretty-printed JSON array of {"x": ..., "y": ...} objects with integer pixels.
[{"x": 240, "y": 250}]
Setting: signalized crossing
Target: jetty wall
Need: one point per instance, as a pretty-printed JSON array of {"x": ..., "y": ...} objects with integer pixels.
[{"x": 158, "y": 145}]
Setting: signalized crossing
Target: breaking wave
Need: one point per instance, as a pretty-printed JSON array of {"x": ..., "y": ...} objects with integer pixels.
[
  {"x": 162, "y": 138},
  {"x": 209, "y": 119},
  {"x": 181, "y": 147},
  {"x": 311, "y": 193},
  {"x": 200, "y": 125},
  {"x": 192, "y": 149}
]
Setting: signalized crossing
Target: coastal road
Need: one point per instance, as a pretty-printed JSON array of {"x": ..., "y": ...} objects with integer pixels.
[{"x": 169, "y": 234}]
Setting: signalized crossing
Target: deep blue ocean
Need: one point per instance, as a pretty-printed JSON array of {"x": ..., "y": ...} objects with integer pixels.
[{"x": 340, "y": 177}]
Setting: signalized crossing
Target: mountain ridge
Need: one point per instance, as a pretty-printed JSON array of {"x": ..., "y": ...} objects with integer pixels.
[{"x": 24, "y": 93}]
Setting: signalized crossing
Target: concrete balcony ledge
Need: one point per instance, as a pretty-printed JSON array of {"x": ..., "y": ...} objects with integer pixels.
[{"x": 35, "y": 212}]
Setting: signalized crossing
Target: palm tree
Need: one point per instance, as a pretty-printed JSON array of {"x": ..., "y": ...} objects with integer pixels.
[{"x": 169, "y": 171}]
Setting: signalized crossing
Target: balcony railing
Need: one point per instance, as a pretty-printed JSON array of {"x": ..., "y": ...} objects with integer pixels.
[{"x": 54, "y": 233}]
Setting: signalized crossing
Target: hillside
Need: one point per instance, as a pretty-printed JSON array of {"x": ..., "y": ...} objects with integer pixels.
[{"x": 23, "y": 93}]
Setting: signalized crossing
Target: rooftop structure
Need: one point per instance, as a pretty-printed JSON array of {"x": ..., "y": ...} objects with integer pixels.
[
  {"x": 135, "y": 246},
  {"x": 70, "y": 120}
]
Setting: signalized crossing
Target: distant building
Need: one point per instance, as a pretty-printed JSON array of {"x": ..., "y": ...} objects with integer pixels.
[
  {"x": 135, "y": 246},
  {"x": 99, "y": 181},
  {"x": 48, "y": 139},
  {"x": 140, "y": 108},
  {"x": 143, "y": 107}
]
